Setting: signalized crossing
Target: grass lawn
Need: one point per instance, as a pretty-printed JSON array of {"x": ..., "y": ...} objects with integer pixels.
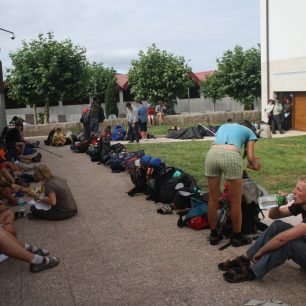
[{"x": 283, "y": 160}]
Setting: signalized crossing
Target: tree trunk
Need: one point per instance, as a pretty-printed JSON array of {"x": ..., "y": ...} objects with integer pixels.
[{"x": 46, "y": 111}]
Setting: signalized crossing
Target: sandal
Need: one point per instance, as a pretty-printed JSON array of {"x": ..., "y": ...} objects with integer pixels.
[
  {"x": 245, "y": 274},
  {"x": 238, "y": 242},
  {"x": 230, "y": 264}
]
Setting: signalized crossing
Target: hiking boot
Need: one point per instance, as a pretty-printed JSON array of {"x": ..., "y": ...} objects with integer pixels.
[
  {"x": 48, "y": 262},
  {"x": 240, "y": 241},
  {"x": 232, "y": 264},
  {"x": 215, "y": 238}
]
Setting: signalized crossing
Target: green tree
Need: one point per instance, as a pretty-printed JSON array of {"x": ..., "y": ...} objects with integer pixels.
[
  {"x": 46, "y": 70},
  {"x": 240, "y": 74},
  {"x": 212, "y": 88},
  {"x": 159, "y": 75},
  {"x": 111, "y": 98},
  {"x": 99, "y": 77}
]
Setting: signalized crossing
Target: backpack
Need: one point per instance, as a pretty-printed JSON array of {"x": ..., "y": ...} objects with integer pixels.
[
  {"x": 139, "y": 179},
  {"x": 105, "y": 149},
  {"x": 167, "y": 190},
  {"x": 117, "y": 148}
]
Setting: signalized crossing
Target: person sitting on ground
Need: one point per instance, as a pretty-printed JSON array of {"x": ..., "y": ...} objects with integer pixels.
[
  {"x": 107, "y": 132},
  {"x": 36, "y": 257},
  {"x": 160, "y": 110},
  {"x": 279, "y": 242},
  {"x": 15, "y": 145},
  {"x": 58, "y": 138},
  {"x": 264, "y": 130},
  {"x": 224, "y": 158},
  {"x": 57, "y": 194}
]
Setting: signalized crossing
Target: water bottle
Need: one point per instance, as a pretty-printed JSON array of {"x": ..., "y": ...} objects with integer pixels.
[{"x": 21, "y": 204}]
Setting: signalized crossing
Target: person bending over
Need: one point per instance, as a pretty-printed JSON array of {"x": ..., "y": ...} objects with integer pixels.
[
  {"x": 224, "y": 158},
  {"x": 57, "y": 194},
  {"x": 279, "y": 242}
]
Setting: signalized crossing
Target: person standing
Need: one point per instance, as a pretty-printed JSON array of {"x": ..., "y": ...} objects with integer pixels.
[
  {"x": 277, "y": 117},
  {"x": 143, "y": 120},
  {"x": 287, "y": 117},
  {"x": 224, "y": 158},
  {"x": 150, "y": 115},
  {"x": 160, "y": 109},
  {"x": 94, "y": 116},
  {"x": 269, "y": 110},
  {"x": 132, "y": 119}
]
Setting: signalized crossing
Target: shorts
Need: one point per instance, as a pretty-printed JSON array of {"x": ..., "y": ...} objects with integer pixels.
[
  {"x": 222, "y": 161},
  {"x": 143, "y": 126}
]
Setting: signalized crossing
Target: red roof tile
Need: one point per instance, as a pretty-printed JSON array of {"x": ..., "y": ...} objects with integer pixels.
[
  {"x": 122, "y": 81},
  {"x": 204, "y": 74},
  {"x": 197, "y": 77}
]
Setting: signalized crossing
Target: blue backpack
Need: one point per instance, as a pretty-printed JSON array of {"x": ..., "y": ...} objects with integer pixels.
[{"x": 118, "y": 133}]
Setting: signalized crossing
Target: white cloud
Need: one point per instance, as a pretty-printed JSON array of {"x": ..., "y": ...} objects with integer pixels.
[{"x": 113, "y": 32}]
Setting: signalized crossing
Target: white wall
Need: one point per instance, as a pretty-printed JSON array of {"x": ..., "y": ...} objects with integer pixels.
[{"x": 287, "y": 47}]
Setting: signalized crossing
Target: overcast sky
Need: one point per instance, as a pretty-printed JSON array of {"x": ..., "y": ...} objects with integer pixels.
[{"x": 113, "y": 32}]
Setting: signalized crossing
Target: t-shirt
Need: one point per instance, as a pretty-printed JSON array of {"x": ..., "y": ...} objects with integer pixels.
[
  {"x": 234, "y": 134},
  {"x": 13, "y": 136},
  {"x": 142, "y": 113},
  {"x": 296, "y": 209},
  {"x": 64, "y": 197}
]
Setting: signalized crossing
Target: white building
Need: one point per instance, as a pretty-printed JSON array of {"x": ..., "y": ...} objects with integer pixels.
[{"x": 283, "y": 55}]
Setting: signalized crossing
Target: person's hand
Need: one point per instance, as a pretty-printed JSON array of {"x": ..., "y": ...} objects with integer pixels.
[
  {"x": 15, "y": 187},
  {"x": 257, "y": 256}
]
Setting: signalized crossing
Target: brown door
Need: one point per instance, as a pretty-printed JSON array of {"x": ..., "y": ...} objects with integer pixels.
[{"x": 299, "y": 112}]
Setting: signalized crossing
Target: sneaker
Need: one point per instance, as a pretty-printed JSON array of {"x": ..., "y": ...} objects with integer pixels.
[{"x": 48, "y": 262}]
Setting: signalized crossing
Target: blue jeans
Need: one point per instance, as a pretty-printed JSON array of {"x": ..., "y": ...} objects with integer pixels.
[{"x": 294, "y": 249}]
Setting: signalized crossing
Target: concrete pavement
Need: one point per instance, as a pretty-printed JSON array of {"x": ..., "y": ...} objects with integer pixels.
[{"x": 119, "y": 251}]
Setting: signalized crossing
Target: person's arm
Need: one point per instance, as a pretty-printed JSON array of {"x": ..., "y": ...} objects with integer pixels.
[
  {"x": 251, "y": 156},
  {"x": 49, "y": 199},
  {"x": 281, "y": 239},
  {"x": 279, "y": 212}
]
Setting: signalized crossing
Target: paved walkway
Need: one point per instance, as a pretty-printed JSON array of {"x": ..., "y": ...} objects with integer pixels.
[{"x": 119, "y": 251}]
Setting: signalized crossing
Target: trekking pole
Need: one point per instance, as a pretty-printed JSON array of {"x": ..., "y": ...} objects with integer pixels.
[{"x": 50, "y": 152}]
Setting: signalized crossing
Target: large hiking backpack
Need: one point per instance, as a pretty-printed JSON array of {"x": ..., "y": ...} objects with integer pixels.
[
  {"x": 251, "y": 222},
  {"x": 105, "y": 149}
]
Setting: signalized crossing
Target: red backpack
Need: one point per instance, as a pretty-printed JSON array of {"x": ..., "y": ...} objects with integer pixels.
[{"x": 198, "y": 223}]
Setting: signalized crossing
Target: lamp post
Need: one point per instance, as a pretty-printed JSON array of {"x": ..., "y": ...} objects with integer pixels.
[
  {"x": 2, "y": 99},
  {"x": 188, "y": 92}
]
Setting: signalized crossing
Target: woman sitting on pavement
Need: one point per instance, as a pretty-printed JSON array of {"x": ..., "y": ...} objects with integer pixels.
[
  {"x": 224, "y": 158},
  {"x": 36, "y": 257},
  {"x": 57, "y": 194}
]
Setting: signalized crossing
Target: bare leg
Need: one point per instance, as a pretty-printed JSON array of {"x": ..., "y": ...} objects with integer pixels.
[
  {"x": 11, "y": 248},
  {"x": 7, "y": 217},
  {"x": 214, "y": 193},
  {"x": 6, "y": 174},
  {"x": 234, "y": 195}
]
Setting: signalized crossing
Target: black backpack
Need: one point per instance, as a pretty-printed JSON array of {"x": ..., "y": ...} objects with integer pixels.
[{"x": 105, "y": 149}]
